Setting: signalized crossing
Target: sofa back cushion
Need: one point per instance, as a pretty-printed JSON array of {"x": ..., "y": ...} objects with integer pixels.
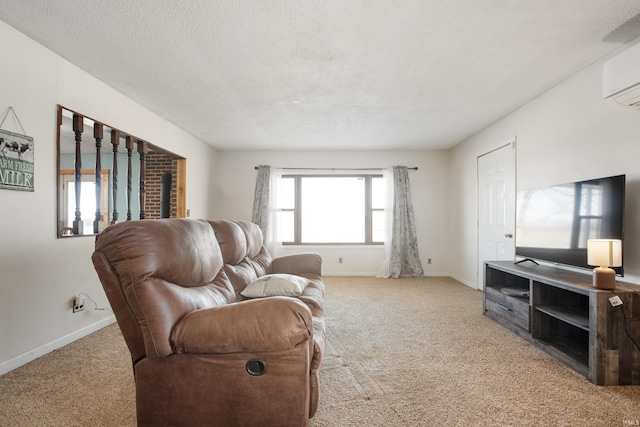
[
  {"x": 164, "y": 269},
  {"x": 245, "y": 258}
]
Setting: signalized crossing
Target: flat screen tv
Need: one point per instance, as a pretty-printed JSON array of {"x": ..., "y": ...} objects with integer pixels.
[{"x": 554, "y": 223}]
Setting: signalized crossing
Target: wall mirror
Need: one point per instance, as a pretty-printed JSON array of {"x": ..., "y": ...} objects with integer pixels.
[{"x": 106, "y": 176}]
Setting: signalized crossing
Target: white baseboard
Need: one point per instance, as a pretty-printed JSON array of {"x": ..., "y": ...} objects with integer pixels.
[
  {"x": 464, "y": 282},
  {"x": 436, "y": 274},
  {"x": 372, "y": 274},
  {"x": 30, "y": 355},
  {"x": 348, "y": 273}
]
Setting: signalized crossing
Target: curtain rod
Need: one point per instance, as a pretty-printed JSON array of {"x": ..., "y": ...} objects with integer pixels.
[{"x": 415, "y": 168}]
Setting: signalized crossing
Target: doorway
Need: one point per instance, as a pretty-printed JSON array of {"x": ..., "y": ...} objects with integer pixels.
[{"x": 496, "y": 207}]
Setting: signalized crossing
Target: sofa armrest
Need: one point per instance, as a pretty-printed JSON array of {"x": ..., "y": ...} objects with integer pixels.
[
  {"x": 266, "y": 324},
  {"x": 308, "y": 263}
]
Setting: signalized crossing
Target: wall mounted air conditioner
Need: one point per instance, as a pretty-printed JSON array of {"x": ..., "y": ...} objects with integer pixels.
[{"x": 621, "y": 78}]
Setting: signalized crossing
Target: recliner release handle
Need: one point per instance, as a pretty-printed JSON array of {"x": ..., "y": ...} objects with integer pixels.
[{"x": 256, "y": 367}]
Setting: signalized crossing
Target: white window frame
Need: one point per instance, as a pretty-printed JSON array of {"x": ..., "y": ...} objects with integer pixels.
[
  {"x": 67, "y": 177},
  {"x": 368, "y": 209}
]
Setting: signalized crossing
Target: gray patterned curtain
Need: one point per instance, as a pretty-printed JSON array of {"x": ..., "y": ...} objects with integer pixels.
[
  {"x": 404, "y": 258},
  {"x": 261, "y": 213}
]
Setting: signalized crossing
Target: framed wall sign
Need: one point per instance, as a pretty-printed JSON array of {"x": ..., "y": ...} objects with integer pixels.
[{"x": 16, "y": 161}]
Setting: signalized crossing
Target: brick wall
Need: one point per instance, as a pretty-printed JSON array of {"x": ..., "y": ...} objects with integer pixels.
[{"x": 157, "y": 165}]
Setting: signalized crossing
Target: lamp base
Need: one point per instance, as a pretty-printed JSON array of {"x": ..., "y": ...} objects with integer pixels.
[{"x": 604, "y": 278}]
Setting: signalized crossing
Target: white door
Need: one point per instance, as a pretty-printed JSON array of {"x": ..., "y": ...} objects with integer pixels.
[{"x": 496, "y": 207}]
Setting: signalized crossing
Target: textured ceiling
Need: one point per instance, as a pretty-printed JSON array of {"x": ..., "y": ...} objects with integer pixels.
[{"x": 333, "y": 74}]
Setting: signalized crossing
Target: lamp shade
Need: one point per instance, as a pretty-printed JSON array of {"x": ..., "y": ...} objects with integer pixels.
[{"x": 604, "y": 252}]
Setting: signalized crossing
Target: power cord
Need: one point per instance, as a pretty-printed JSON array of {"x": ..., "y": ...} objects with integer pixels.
[
  {"x": 624, "y": 316},
  {"x": 95, "y": 304}
]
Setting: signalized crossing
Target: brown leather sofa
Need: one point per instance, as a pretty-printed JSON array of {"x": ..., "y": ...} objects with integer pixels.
[{"x": 202, "y": 354}]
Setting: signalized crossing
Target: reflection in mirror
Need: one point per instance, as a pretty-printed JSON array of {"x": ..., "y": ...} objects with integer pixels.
[
  {"x": 88, "y": 202},
  {"x": 107, "y": 176}
]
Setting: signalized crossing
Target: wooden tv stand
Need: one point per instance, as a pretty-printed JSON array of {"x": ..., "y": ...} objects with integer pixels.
[{"x": 560, "y": 312}]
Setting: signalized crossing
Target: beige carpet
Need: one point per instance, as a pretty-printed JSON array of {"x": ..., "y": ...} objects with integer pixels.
[{"x": 408, "y": 352}]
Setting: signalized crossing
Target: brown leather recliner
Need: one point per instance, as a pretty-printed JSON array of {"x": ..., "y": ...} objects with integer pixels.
[{"x": 203, "y": 354}]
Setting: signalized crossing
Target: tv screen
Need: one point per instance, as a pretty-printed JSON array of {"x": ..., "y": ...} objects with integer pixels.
[{"x": 554, "y": 223}]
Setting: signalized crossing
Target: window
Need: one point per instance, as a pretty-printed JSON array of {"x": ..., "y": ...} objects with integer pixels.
[
  {"x": 332, "y": 209},
  {"x": 589, "y": 201},
  {"x": 88, "y": 201}
]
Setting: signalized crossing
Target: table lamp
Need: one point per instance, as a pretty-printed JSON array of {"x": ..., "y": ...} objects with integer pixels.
[{"x": 604, "y": 253}]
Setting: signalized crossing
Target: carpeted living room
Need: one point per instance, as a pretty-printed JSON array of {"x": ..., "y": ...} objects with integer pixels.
[
  {"x": 340, "y": 213},
  {"x": 400, "y": 352}
]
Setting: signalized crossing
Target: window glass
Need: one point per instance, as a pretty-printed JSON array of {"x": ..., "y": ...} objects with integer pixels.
[
  {"x": 378, "y": 223},
  {"x": 378, "y": 192},
  {"x": 285, "y": 204},
  {"x": 87, "y": 205},
  {"x": 286, "y": 194},
  {"x": 87, "y": 202},
  {"x": 332, "y": 210},
  {"x": 287, "y": 226}
]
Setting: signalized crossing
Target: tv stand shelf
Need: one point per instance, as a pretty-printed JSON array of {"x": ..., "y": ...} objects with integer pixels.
[
  {"x": 566, "y": 314},
  {"x": 560, "y": 312}
]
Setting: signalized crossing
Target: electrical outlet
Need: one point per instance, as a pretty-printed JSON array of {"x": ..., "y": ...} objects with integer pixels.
[
  {"x": 78, "y": 303},
  {"x": 428, "y": 260},
  {"x": 339, "y": 260}
]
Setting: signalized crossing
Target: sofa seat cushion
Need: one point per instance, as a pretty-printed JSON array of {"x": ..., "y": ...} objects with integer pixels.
[{"x": 267, "y": 324}]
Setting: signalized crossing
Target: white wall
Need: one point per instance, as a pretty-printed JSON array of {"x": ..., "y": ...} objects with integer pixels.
[
  {"x": 235, "y": 185},
  {"x": 569, "y": 133},
  {"x": 39, "y": 274}
]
